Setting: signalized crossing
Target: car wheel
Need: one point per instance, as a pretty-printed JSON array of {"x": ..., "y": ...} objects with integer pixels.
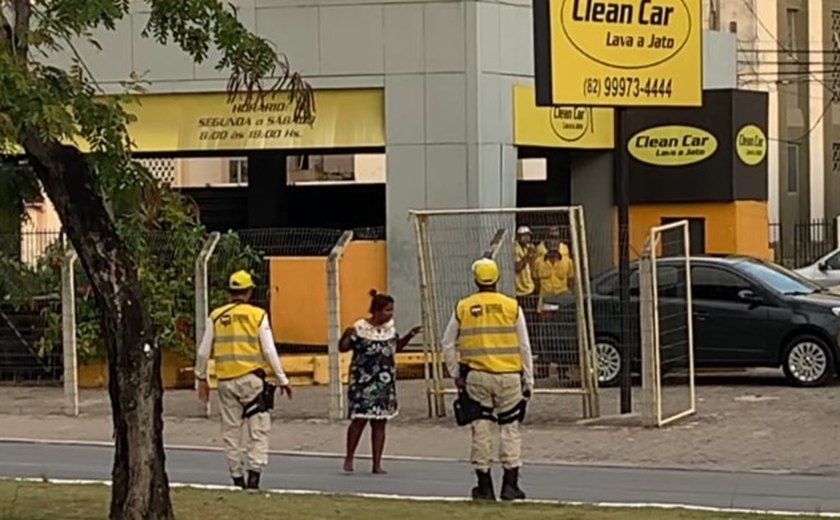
[
  {"x": 609, "y": 362},
  {"x": 807, "y": 361}
]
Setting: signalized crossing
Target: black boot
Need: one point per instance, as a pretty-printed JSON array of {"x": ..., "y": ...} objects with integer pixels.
[
  {"x": 253, "y": 479},
  {"x": 510, "y": 486},
  {"x": 484, "y": 489},
  {"x": 239, "y": 482}
]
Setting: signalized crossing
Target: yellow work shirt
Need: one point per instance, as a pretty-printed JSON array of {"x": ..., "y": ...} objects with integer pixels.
[
  {"x": 554, "y": 277},
  {"x": 524, "y": 279}
]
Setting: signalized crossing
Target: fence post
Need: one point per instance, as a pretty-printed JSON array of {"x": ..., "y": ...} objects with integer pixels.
[
  {"x": 202, "y": 291},
  {"x": 68, "y": 333},
  {"x": 646, "y": 317},
  {"x": 334, "y": 326},
  {"x": 837, "y": 231}
]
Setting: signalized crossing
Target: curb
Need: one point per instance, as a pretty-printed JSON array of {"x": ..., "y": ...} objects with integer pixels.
[
  {"x": 410, "y": 458},
  {"x": 377, "y": 496}
]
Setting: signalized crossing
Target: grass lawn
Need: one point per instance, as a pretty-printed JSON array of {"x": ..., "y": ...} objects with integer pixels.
[{"x": 31, "y": 501}]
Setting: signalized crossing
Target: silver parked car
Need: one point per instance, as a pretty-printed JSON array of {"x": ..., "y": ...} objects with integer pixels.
[{"x": 825, "y": 271}]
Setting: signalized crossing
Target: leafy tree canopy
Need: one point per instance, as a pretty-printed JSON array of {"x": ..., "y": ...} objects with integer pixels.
[{"x": 99, "y": 195}]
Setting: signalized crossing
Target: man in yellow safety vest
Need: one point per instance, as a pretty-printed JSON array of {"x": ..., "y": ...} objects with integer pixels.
[
  {"x": 495, "y": 373},
  {"x": 238, "y": 337}
]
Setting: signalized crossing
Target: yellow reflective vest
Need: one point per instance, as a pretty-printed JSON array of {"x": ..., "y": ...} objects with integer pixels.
[
  {"x": 487, "y": 339},
  {"x": 236, "y": 340}
]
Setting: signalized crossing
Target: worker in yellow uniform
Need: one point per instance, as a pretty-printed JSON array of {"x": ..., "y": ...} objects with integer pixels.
[
  {"x": 495, "y": 373},
  {"x": 525, "y": 257},
  {"x": 238, "y": 337},
  {"x": 553, "y": 241},
  {"x": 554, "y": 272}
]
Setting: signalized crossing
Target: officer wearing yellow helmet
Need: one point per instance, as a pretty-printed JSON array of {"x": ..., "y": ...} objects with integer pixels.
[
  {"x": 239, "y": 338},
  {"x": 494, "y": 377}
]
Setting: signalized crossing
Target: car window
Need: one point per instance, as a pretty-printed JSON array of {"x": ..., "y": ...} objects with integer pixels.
[
  {"x": 669, "y": 282},
  {"x": 778, "y": 278},
  {"x": 669, "y": 285},
  {"x": 833, "y": 261},
  {"x": 608, "y": 286},
  {"x": 712, "y": 283}
]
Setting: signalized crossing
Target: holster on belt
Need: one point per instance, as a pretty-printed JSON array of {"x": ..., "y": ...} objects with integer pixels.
[
  {"x": 264, "y": 401},
  {"x": 468, "y": 409}
]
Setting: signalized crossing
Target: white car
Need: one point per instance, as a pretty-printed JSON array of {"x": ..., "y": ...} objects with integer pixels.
[{"x": 825, "y": 271}]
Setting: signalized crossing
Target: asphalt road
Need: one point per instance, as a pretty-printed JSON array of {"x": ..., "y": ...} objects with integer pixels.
[{"x": 452, "y": 479}]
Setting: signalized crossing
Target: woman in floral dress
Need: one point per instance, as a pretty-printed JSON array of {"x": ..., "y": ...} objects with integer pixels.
[{"x": 372, "y": 394}]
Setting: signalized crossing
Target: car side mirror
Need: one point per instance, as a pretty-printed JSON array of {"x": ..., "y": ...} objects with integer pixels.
[
  {"x": 822, "y": 266},
  {"x": 748, "y": 296}
]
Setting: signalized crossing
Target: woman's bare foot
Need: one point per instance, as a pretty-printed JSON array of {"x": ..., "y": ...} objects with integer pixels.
[
  {"x": 348, "y": 466},
  {"x": 379, "y": 471}
]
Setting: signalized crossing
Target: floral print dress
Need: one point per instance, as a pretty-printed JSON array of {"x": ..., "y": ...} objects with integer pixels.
[{"x": 372, "y": 393}]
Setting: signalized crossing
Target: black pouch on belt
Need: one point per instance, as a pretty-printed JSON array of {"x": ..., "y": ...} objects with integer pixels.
[
  {"x": 468, "y": 409},
  {"x": 264, "y": 401}
]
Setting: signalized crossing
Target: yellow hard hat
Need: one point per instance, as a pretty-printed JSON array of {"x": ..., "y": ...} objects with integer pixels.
[
  {"x": 485, "y": 271},
  {"x": 241, "y": 280}
]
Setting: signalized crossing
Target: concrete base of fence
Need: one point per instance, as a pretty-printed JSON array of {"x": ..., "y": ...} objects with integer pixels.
[{"x": 94, "y": 374}]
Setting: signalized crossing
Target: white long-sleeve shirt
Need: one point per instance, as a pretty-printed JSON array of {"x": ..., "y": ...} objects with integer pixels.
[
  {"x": 269, "y": 351},
  {"x": 450, "y": 337}
]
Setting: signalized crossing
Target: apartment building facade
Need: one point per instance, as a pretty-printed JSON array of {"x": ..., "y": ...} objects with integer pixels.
[{"x": 791, "y": 50}]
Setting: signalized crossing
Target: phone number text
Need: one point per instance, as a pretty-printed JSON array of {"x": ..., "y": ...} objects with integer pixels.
[{"x": 623, "y": 87}]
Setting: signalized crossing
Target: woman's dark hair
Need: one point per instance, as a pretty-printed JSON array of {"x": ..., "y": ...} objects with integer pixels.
[{"x": 379, "y": 301}]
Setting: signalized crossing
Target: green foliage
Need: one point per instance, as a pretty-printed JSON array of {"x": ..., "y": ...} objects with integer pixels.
[
  {"x": 17, "y": 186},
  {"x": 165, "y": 259},
  {"x": 42, "y": 104}
]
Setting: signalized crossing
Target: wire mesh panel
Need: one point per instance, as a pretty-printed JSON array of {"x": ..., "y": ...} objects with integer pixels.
[
  {"x": 30, "y": 308},
  {"x": 666, "y": 315},
  {"x": 298, "y": 252},
  {"x": 541, "y": 254}
]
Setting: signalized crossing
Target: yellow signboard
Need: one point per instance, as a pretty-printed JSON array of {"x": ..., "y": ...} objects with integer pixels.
[
  {"x": 618, "y": 52},
  {"x": 751, "y": 145},
  {"x": 672, "y": 145},
  {"x": 185, "y": 122},
  {"x": 208, "y": 122},
  {"x": 559, "y": 127}
]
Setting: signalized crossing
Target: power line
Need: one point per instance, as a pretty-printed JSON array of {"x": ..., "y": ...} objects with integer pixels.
[
  {"x": 779, "y": 43},
  {"x": 831, "y": 90},
  {"x": 801, "y": 138}
]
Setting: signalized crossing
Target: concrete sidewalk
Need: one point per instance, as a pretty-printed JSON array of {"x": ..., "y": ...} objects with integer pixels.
[{"x": 756, "y": 424}]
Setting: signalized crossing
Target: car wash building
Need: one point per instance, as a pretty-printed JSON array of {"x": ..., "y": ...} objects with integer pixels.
[{"x": 419, "y": 105}]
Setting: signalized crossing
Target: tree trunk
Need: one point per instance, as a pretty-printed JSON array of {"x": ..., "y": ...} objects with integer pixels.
[{"x": 140, "y": 485}]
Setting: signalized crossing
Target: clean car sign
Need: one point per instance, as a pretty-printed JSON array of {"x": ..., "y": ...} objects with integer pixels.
[
  {"x": 672, "y": 145},
  {"x": 751, "y": 145},
  {"x": 619, "y": 52}
]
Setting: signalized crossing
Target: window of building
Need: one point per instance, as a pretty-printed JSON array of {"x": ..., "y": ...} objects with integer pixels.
[
  {"x": 793, "y": 168},
  {"x": 238, "y": 171},
  {"x": 336, "y": 169},
  {"x": 534, "y": 169},
  {"x": 835, "y": 56},
  {"x": 835, "y": 158},
  {"x": 791, "y": 29},
  {"x": 672, "y": 240},
  {"x": 733, "y": 27}
]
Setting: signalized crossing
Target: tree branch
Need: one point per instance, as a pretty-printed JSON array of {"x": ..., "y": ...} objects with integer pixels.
[
  {"x": 6, "y": 35},
  {"x": 23, "y": 14}
]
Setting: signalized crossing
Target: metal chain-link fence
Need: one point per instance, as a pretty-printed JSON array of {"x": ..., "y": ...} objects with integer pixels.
[{"x": 290, "y": 267}]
